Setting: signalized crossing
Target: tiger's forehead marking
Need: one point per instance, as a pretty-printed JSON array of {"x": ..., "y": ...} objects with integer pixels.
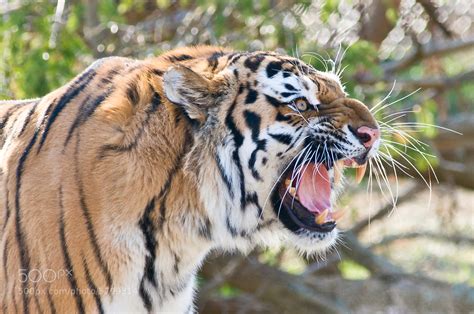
[
  {"x": 286, "y": 86},
  {"x": 284, "y": 78}
]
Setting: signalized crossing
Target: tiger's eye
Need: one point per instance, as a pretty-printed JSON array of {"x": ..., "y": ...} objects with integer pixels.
[{"x": 301, "y": 104}]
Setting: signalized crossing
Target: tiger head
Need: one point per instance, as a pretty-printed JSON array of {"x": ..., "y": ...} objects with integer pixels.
[{"x": 277, "y": 133}]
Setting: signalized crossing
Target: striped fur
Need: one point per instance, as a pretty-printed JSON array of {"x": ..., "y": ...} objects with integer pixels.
[{"x": 115, "y": 186}]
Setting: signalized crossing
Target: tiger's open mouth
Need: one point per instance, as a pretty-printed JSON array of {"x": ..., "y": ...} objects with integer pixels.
[{"x": 302, "y": 199}]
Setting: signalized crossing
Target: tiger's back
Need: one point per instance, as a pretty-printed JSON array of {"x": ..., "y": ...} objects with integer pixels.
[{"x": 56, "y": 157}]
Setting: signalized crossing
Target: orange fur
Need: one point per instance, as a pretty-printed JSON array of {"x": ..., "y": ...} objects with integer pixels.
[{"x": 72, "y": 190}]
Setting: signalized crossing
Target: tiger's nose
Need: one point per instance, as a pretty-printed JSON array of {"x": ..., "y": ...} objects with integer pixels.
[{"x": 367, "y": 135}]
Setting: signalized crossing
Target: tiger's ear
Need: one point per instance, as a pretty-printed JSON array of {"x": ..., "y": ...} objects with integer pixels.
[{"x": 191, "y": 91}]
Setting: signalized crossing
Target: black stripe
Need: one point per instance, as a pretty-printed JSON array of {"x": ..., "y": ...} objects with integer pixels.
[
  {"x": 273, "y": 68},
  {"x": 132, "y": 93},
  {"x": 290, "y": 87},
  {"x": 27, "y": 119},
  {"x": 88, "y": 219},
  {"x": 280, "y": 117},
  {"x": 241, "y": 89},
  {"x": 51, "y": 302},
  {"x": 236, "y": 58},
  {"x": 225, "y": 177},
  {"x": 92, "y": 287},
  {"x": 232, "y": 230},
  {"x": 177, "y": 260},
  {"x": 67, "y": 258},
  {"x": 253, "y": 62},
  {"x": 145, "y": 296},
  {"x": 287, "y": 94},
  {"x": 148, "y": 229},
  {"x": 205, "y": 229},
  {"x": 213, "y": 60},
  {"x": 282, "y": 138},
  {"x": 8, "y": 115},
  {"x": 294, "y": 142},
  {"x": 253, "y": 121},
  {"x": 165, "y": 189},
  {"x": 252, "y": 198},
  {"x": 238, "y": 140},
  {"x": 251, "y": 96},
  {"x": 157, "y": 72},
  {"x": 5, "y": 270},
  {"x": 85, "y": 112},
  {"x": 7, "y": 203},
  {"x": 22, "y": 245},
  {"x": 274, "y": 102},
  {"x": 76, "y": 87},
  {"x": 179, "y": 58}
]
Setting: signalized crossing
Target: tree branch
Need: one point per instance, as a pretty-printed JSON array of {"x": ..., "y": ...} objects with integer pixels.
[
  {"x": 284, "y": 291},
  {"x": 387, "y": 208},
  {"x": 457, "y": 239},
  {"x": 441, "y": 83},
  {"x": 331, "y": 294},
  {"x": 430, "y": 9},
  {"x": 428, "y": 50},
  {"x": 358, "y": 252},
  {"x": 59, "y": 21}
]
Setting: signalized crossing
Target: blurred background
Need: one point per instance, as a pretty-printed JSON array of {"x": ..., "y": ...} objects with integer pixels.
[{"x": 408, "y": 241}]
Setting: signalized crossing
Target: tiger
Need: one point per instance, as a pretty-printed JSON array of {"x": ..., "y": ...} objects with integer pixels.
[{"x": 116, "y": 186}]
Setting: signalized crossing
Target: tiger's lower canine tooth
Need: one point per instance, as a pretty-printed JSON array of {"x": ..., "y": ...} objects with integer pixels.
[
  {"x": 321, "y": 218},
  {"x": 360, "y": 172},
  {"x": 336, "y": 215}
]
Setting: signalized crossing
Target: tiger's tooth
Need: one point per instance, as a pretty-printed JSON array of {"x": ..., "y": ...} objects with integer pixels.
[
  {"x": 321, "y": 218},
  {"x": 287, "y": 182},
  {"x": 336, "y": 215},
  {"x": 360, "y": 172},
  {"x": 292, "y": 191},
  {"x": 338, "y": 166}
]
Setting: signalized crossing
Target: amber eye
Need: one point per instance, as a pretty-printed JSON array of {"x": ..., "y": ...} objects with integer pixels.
[{"x": 301, "y": 104}]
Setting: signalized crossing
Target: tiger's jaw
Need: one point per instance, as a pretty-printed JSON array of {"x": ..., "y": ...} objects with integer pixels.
[{"x": 303, "y": 200}]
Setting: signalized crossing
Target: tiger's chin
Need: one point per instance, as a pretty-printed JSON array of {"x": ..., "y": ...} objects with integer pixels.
[{"x": 303, "y": 202}]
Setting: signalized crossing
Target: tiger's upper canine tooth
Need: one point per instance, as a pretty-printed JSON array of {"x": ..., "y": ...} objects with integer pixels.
[
  {"x": 338, "y": 166},
  {"x": 292, "y": 191},
  {"x": 321, "y": 218},
  {"x": 360, "y": 172}
]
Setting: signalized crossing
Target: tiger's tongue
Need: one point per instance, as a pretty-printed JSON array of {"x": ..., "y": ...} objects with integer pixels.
[{"x": 314, "y": 190}]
